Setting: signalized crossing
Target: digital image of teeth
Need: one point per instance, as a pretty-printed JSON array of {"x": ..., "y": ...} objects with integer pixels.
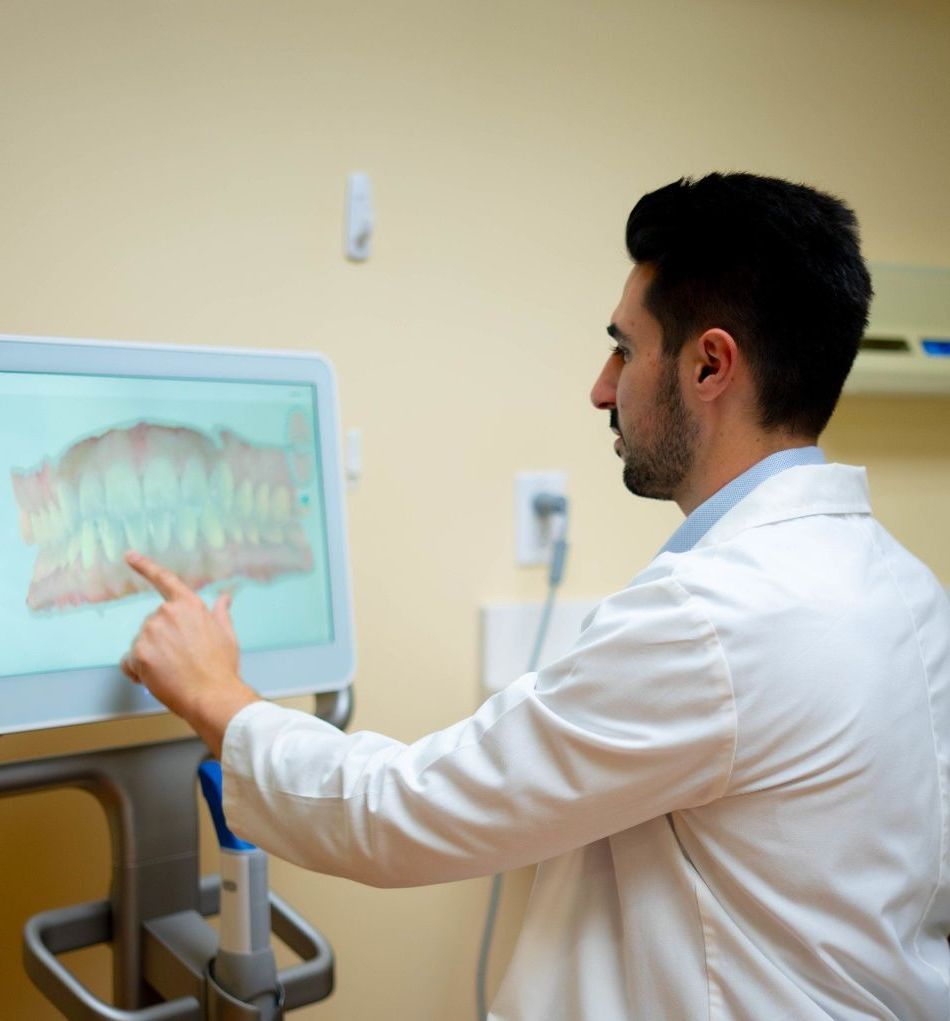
[{"x": 211, "y": 508}]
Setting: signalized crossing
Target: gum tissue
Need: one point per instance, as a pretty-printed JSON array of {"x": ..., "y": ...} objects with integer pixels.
[{"x": 210, "y": 509}]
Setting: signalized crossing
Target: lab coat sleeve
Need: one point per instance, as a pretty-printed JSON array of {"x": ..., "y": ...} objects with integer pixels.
[{"x": 636, "y": 721}]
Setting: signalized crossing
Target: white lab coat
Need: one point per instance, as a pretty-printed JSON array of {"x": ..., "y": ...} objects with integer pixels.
[{"x": 736, "y": 782}]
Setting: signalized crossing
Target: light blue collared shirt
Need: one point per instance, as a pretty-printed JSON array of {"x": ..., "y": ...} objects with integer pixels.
[{"x": 708, "y": 513}]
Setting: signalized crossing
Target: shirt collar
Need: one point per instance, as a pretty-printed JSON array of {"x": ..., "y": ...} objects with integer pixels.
[{"x": 699, "y": 522}]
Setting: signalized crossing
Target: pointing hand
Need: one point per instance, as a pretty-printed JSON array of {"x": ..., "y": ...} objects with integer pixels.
[{"x": 187, "y": 655}]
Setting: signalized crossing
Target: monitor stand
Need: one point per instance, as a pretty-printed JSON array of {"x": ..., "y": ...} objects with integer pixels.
[{"x": 155, "y": 914}]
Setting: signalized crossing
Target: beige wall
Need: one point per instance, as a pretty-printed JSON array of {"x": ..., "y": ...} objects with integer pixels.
[{"x": 174, "y": 171}]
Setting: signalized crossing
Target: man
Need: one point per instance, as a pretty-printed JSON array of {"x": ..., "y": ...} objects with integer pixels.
[{"x": 737, "y": 781}]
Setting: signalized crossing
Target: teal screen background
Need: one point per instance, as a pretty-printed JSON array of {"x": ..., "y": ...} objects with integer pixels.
[{"x": 42, "y": 415}]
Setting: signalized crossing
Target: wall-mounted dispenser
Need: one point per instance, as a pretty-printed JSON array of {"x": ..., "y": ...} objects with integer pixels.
[{"x": 906, "y": 349}]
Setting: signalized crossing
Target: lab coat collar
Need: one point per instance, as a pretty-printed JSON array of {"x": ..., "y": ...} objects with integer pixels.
[
  {"x": 798, "y": 492},
  {"x": 699, "y": 521}
]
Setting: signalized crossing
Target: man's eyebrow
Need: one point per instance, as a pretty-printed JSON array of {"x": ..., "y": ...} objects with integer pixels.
[{"x": 614, "y": 331}]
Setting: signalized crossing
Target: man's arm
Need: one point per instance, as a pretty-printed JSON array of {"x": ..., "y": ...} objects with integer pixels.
[
  {"x": 638, "y": 720},
  {"x": 187, "y": 656}
]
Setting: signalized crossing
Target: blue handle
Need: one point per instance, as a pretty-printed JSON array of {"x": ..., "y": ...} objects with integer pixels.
[{"x": 209, "y": 775}]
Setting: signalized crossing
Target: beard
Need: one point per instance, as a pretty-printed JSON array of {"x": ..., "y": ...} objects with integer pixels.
[{"x": 656, "y": 469}]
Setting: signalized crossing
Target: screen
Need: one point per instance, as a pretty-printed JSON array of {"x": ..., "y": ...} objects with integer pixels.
[{"x": 222, "y": 480}]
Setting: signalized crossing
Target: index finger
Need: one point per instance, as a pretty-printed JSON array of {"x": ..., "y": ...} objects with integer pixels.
[{"x": 166, "y": 582}]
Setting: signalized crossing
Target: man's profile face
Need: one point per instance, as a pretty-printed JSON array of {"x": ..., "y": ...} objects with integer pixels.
[{"x": 639, "y": 386}]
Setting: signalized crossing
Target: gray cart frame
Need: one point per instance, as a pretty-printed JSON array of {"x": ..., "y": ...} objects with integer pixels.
[{"x": 154, "y": 916}]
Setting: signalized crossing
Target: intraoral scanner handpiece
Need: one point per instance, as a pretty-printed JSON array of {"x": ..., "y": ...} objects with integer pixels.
[{"x": 245, "y": 966}]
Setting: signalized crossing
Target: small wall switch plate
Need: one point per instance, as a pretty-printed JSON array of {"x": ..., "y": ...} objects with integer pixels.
[
  {"x": 509, "y": 631},
  {"x": 533, "y": 538},
  {"x": 353, "y": 457}
]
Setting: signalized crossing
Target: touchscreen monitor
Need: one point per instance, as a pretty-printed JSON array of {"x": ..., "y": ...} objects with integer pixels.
[{"x": 221, "y": 464}]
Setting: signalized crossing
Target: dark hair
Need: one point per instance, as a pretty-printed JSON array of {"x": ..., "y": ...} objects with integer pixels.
[{"x": 777, "y": 265}]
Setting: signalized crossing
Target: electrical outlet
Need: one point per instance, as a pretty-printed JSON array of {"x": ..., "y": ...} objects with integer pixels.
[{"x": 533, "y": 538}]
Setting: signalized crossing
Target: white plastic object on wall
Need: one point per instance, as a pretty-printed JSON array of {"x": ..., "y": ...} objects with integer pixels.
[{"x": 359, "y": 217}]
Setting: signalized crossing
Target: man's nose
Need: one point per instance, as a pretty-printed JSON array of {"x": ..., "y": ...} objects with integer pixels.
[{"x": 603, "y": 394}]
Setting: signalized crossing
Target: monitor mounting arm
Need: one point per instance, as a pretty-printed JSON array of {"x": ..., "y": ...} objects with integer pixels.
[{"x": 154, "y": 917}]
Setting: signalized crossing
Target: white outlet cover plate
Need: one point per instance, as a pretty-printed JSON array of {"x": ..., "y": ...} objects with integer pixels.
[{"x": 532, "y": 534}]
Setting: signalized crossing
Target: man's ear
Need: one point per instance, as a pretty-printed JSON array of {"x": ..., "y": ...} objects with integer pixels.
[
  {"x": 707, "y": 370},
  {"x": 714, "y": 362}
]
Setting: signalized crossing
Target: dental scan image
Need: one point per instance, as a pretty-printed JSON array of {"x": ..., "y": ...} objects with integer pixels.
[
  {"x": 208, "y": 508},
  {"x": 217, "y": 480}
]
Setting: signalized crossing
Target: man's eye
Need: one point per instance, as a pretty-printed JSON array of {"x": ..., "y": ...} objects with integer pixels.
[{"x": 617, "y": 349}]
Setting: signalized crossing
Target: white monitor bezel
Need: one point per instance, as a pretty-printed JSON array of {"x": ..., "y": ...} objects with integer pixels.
[{"x": 37, "y": 701}]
